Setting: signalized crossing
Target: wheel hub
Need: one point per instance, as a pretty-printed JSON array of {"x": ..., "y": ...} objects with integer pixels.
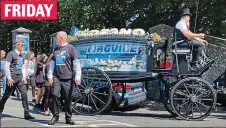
[
  {"x": 193, "y": 98},
  {"x": 88, "y": 90}
]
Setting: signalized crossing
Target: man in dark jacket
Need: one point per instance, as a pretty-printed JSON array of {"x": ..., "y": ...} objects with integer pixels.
[{"x": 61, "y": 76}]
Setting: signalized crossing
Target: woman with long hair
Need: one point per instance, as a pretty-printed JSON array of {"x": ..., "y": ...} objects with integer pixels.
[
  {"x": 42, "y": 82},
  {"x": 28, "y": 69},
  {"x": 47, "y": 98},
  {"x": 40, "y": 75}
]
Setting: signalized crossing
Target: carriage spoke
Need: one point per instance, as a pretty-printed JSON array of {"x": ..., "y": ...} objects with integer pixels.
[
  {"x": 185, "y": 109},
  {"x": 200, "y": 87},
  {"x": 206, "y": 99},
  {"x": 87, "y": 75},
  {"x": 93, "y": 77},
  {"x": 81, "y": 90},
  {"x": 88, "y": 103},
  {"x": 181, "y": 98},
  {"x": 100, "y": 87},
  {"x": 100, "y": 93},
  {"x": 192, "y": 111},
  {"x": 81, "y": 86},
  {"x": 100, "y": 79},
  {"x": 84, "y": 83},
  {"x": 203, "y": 105},
  {"x": 203, "y": 93},
  {"x": 83, "y": 102},
  {"x": 186, "y": 89},
  {"x": 183, "y": 104},
  {"x": 80, "y": 98},
  {"x": 198, "y": 108},
  {"x": 181, "y": 93},
  {"x": 98, "y": 98},
  {"x": 192, "y": 89},
  {"x": 94, "y": 102}
]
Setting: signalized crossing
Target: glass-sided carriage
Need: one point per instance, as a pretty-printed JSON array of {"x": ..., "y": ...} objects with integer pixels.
[
  {"x": 116, "y": 58},
  {"x": 107, "y": 60}
]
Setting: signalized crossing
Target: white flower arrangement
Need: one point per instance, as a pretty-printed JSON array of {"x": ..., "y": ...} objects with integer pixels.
[{"x": 122, "y": 31}]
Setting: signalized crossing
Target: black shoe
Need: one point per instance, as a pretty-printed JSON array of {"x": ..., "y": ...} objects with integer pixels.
[
  {"x": 28, "y": 117},
  {"x": 69, "y": 121},
  {"x": 53, "y": 121}
]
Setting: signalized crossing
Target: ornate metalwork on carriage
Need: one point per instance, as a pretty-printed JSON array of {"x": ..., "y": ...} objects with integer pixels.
[
  {"x": 106, "y": 32},
  {"x": 138, "y": 33},
  {"x": 112, "y": 31}
]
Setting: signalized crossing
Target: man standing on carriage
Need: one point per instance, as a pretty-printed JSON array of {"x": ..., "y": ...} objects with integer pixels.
[
  {"x": 182, "y": 32},
  {"x": 64, "y": 70}
]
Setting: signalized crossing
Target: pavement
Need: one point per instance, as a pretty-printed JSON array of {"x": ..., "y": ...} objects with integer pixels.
[{"x": 150, "y": 114}]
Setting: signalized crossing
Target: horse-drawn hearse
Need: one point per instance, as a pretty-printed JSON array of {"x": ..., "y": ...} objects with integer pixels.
[{"x": 114, "y": 58}]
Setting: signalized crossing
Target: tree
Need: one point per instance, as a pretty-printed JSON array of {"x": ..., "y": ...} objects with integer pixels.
[{"x": 98, "y": 14}]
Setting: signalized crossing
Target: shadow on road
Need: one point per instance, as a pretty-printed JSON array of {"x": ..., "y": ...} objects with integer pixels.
[
  {"x": 16, "y": 99},
  {"x": 156, "y": 116},
  {"x": 40, "y": 121},
  {"x": 9, "y": 116}
]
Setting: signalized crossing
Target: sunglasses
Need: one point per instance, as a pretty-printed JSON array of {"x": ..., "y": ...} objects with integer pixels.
[{"x": 22, "y": 45}]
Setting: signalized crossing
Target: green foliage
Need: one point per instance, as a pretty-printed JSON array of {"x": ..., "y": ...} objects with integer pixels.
[{"x": 98, "y": 14}]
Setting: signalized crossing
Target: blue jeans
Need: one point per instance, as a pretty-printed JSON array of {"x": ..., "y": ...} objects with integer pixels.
[{"x": 4, "y": 83}]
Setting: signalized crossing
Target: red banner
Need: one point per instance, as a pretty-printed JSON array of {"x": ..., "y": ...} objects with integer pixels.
[{"x": 29, "y": 10}]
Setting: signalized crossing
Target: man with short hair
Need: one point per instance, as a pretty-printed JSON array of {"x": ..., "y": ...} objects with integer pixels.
[
  {"x": 182, "y": 32},
  {"x": 64, "y": 70},
  {"x": 15, "y": 78}
]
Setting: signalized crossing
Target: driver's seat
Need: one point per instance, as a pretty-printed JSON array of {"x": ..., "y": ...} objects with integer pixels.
[{"x": 182, "y": 53}]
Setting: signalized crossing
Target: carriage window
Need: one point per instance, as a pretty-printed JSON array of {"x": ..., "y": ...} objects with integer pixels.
[{"x": 114, "y": 56}]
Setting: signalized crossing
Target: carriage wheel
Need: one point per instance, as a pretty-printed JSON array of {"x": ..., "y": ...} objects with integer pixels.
[
  {"x": 166, "y": 100},
  {"x": 193, "y": 98},
  {"x": 95, "y": 90}
]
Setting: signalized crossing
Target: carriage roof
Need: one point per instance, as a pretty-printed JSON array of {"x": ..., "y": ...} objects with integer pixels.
[{"x": 111, "y": 34}]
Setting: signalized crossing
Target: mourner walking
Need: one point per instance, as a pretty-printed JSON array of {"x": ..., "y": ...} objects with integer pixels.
[
  {"x": 15, "y": 78},
  {"x": 2, "y": 74},
  {"x": 64, "y": 70},
  {"x": 28, "y": 68}
]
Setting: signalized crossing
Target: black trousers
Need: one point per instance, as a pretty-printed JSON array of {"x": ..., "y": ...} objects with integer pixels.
[
  {"x": 66, "y": 87},
  {"x": 47, "y": 99},
  {"x": 199, "y": 47},
  {"x": 17, "y": 91},
  {"x": 23, "y": 90}
]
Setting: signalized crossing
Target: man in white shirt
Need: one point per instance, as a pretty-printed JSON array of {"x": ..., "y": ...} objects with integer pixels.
[
  {"x": 15, "y": 78},
  {"x": 182, "y": 32}
]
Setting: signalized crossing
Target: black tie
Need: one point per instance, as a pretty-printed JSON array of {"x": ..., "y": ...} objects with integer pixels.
[{"x": 20, "y": 54}]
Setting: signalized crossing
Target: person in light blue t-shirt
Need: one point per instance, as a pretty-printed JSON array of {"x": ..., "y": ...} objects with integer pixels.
[{"x": 3, "y": 76}]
